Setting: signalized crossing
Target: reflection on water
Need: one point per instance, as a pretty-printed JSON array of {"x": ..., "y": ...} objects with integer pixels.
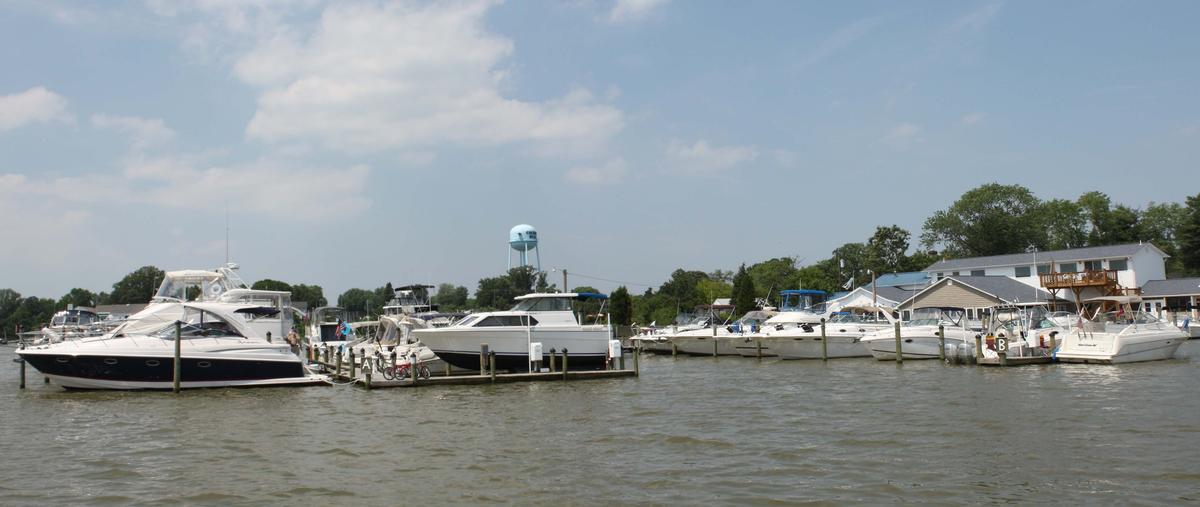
[{"x": 692, "y": 430}]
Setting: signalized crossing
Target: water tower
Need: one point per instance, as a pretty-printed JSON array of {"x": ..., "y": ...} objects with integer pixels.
[{"x": 523, "y": 239}]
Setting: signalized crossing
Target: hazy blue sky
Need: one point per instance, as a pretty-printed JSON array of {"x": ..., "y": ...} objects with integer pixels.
[{"x": 356, "y": 143}]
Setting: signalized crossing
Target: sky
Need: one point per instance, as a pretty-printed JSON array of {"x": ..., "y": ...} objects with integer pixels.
[{"x": 351, "y": 144}]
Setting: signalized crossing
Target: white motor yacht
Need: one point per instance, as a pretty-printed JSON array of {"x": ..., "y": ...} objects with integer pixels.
[
  {"x": 843, "y": 336},
  {"x": 722, "y": 340},
  {"x": 658, "y": 340},
  {"x": 237, "y": 340},
  {"x": 919, "y": 336},
  {"x": 546, "y": 318},
  {"x": 1126, "y": 335},
  {"x": 71, "y": 324}
]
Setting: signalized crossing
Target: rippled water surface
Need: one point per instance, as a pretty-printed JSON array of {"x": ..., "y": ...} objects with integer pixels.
[{"x": 726, "y": 431}]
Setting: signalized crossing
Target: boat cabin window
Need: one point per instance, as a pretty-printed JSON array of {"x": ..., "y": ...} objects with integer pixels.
[
  {"x": 506, "y": 320},
  {"x": 560, "y": 304},
  {"x": 198, "y": 324}
]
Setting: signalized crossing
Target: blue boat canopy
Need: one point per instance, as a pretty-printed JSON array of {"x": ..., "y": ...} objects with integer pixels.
[
  {"x": 590, "y": 295},
  {"x": 802, "y": 292}
]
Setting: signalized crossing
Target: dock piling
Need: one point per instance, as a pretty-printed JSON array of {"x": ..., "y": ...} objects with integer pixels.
[
  {"x": 367, "y": 375},
  {"x": 758, "y": 348},
  {"x": 176, "y": 364},
  {"x": 621, "y": 361},
  {"x": 352, "y": 363},
  {"x": 637, "y": 370},
  {"x": 942, "y": 342},
  {"x": 483, "y": 357},
  {"x": 564, "y": 364},
  {"x": 978, "y": 347},
  {"x": 22, "y": 368},
  {"x": 674, "y": 349},
  {"x": 824, "y": 343},
  {"x": 337, "y": 371},
  {"x": 492, "y": 364},
  {"x": 413, "y": 366},
  {"x": 553, "y": 359},
  {"x": 899, "y": 350}
]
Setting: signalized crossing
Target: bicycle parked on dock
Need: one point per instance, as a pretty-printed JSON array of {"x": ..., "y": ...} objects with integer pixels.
[{"x": 402, "y": 370}]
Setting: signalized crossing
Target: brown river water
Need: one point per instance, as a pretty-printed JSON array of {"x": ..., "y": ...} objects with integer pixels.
[{"x": 689, "y": 431}]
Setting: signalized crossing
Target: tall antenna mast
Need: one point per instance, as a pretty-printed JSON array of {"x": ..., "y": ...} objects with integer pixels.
[{"x": 227, "y": 232}]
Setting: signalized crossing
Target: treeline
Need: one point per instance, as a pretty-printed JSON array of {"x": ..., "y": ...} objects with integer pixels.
[
  {"x": 137, "y": 287},
  {"x": 992, "y": 219}
]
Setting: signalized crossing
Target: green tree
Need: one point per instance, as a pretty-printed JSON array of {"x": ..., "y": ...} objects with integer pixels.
[
  {"x": 137, "y": 287},
  {"x": 887, "y": 249},
  {"x": 269, "y": 284},
  {"x": 744, "y": 293},
  {"x": 1189, "y": 236},
  {"x": 991, "y": 219},
  {"x": 359, "y": 302},
  {"x": 451, "y": 297},
  {"x": 77, "y": 297},
  {"x": 313, "y": 296},
  {"x": 1108, "y": 224},
  {"x": 1065, "y": 224},
  {"x": 851, "y": 261},
  {"x": 621, "y": 305},
  {"x": 774, "y": 275},
  {"x": 1161, "y": 224}
]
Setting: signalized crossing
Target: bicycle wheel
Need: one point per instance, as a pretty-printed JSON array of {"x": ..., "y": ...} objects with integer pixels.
[
  {"x": 402, "y": 372},
  {"x": 389, "y": 373},
  {"x": 424, "y": 372}
]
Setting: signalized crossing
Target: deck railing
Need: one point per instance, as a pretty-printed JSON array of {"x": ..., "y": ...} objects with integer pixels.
[{"x": 1096, "y": 277}]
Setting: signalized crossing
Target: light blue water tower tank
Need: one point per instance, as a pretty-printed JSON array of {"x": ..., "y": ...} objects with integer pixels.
[{"x": 523, "y": 239}]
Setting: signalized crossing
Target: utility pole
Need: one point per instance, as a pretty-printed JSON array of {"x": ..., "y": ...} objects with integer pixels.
[{"x": 564, "y": 280}]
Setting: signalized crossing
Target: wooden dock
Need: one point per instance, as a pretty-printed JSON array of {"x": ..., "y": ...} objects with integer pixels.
[
  {"x": 352, "y": 371},
  {"x": 1013, "y": 361}
]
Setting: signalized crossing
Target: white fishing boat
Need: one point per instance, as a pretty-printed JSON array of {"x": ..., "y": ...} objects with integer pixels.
[
  {"x": 1124, "y": 335},
  {"x": 919, "y": 336},
  {"x": 658, "y": 339},
  {"x": 546, "y": 318},
  {"x": 235, "y": 341},
  {"x": 843, "y": 336},
  {"x": 722, "y": 340}
]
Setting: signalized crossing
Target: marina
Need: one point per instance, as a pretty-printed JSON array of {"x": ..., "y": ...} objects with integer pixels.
[{"x": 845, "y": 431}]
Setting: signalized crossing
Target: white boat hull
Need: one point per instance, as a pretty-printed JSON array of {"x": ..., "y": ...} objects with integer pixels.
[
  {"x": 809, "y": 346},
  {"x": 1109, "y": 348},
  {"x": 700, "y": 345},
  {"x": 919, "y": 343},
  {"x": 587, "y": 345}
]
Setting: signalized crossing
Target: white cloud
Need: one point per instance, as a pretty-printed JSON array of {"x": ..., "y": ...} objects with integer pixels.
[
  {"x": 902, "y": 135},
  {"x": 633, "y": 10},
  {"x": 270, "y": 187},
  {"x": 35, "y": 105},
  {"x": 702, "y": 157},
  {"x": 142, "y": 132},
  {"x": 973, "y": 118},
  {"x": 977, "y": 19},
  {"x": 841, "y": 39},
  {"x": 609, "y": 173},
  {"x": 401, "y": 76},
  {"x": 786, "y": 158}
]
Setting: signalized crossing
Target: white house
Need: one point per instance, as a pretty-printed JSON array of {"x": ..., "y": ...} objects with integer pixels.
[{"x": 1134, "y": 264}]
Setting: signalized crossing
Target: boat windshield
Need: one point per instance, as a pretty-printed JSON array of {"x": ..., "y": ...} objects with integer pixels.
[
  {"x": 198, "y": 323},
  {"x": 543, "y": 305},
  {"x": 797, "y": 302}
]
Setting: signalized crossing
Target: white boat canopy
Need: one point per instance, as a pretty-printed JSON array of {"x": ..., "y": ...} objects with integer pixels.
[{"x": 1124, "y": 300}]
